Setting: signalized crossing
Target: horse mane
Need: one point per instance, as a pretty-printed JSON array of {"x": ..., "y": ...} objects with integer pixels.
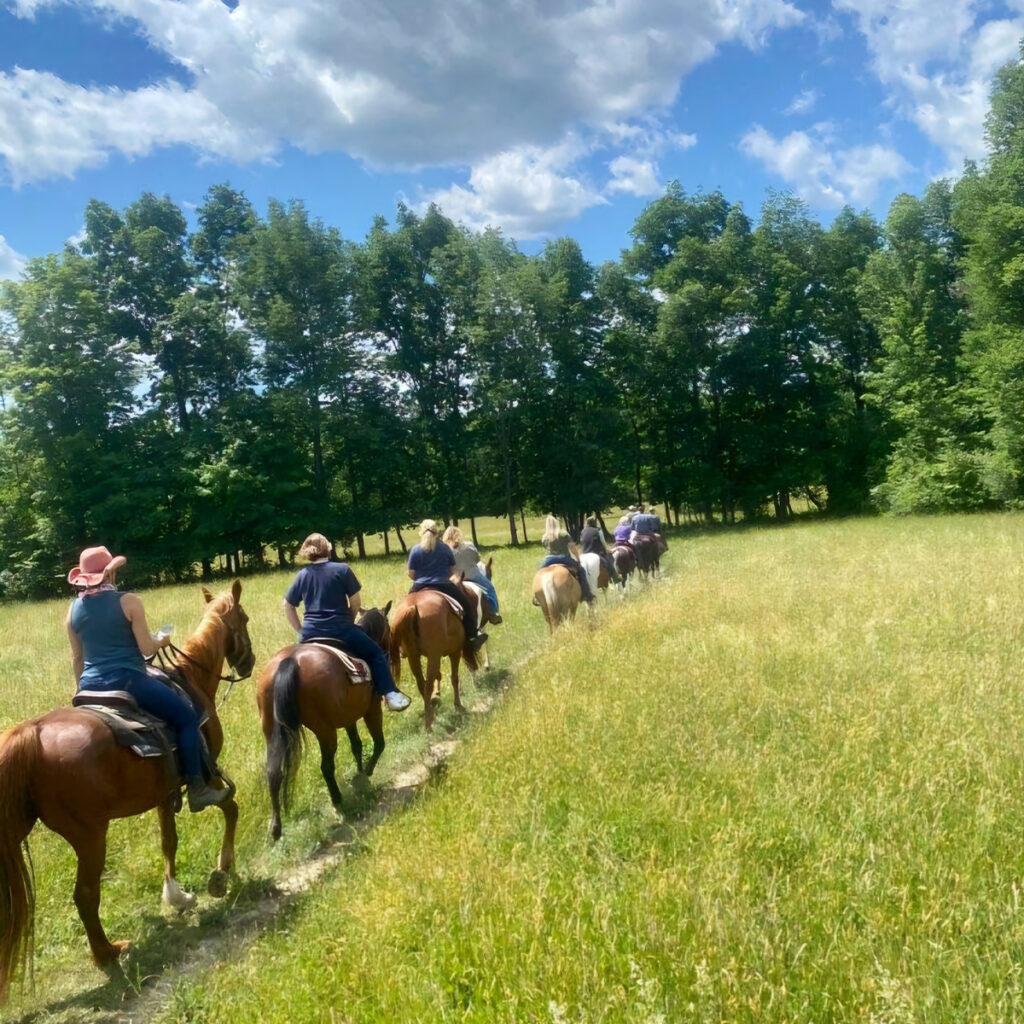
[{"x": 204, "y": 649}]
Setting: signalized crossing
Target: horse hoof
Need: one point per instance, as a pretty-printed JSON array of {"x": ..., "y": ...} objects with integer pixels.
[
  {"x": 361, "y": 783},
  {"x": 435, "y": 700},
  {"x": 217, "y": 886},
  {"x": 275, "y": 831},
  {"x": 110, "y": 956},
  {"x": 176, "y": 898}
]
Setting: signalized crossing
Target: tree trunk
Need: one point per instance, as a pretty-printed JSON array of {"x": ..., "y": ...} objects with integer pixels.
[
  {"x": 387, "y": 543},
  {"x": 207, "y": 569},
  {"x": 361, "y": 545},
  {"x": 522, "y": 515},
  {"x": 472, "y": 529},
  {"x": 401, "y": 540},
  {"x": 281, "y": 560}
]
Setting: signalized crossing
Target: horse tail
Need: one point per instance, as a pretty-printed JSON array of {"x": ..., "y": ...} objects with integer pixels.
[
  {"x": 19, "y": 752},
  {"x": 405, "y": 631},
  {"x": 286, "y": 737},
  {"x": 550, "y": 591}
]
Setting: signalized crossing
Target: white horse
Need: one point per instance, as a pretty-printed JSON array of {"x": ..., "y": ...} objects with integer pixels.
[{"x": 597, "y": 575}]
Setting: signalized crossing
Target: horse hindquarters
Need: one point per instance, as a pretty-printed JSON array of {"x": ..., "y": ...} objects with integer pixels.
[{"x": 19, "y": 749}]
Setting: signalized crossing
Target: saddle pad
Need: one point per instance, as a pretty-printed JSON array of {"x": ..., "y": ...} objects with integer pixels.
[
  {"x": 480, "y": 595},
  {"x": 455, "y": 606},
  {"x": 357, "y": 669},
  {"x": 133, "y": 728}
]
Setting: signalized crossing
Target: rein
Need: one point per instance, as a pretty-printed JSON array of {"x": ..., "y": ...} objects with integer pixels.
[{"x": 167, "y": 663}]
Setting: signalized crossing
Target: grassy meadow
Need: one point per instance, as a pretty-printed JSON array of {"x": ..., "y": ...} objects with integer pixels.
[{"x": 784, "y": 784}]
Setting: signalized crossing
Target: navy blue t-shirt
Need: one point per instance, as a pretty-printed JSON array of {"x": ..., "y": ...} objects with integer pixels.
[
  {"x": 323, "y": 588},
  {"x": 432, "y": 566}
]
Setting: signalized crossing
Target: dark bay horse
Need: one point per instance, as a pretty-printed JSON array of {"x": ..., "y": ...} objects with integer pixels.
[
  {"x": 557, "y": 593},
  {"x": 65, "y": 770},
  {"x": 305, "y": 685},
  {"x": 625, "y": 562},
  {"x": 648, "y": 556},
  {"x": 424, "y": 625}
]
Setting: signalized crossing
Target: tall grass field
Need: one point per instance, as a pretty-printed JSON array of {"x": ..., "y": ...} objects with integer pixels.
[{"x": 784, "y": 783}]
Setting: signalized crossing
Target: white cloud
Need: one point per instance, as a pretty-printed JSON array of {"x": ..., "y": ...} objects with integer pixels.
[
  {"x": 634, "y": 177},
  {"x": 524, "y": 191},
  {"x": 496, "y": 86},
  {"x": 11, "y": 263},
  {"x": 937, "y": 59},
  {"x": 822, "y": 176},
  {"x": 803, "y": 102}
]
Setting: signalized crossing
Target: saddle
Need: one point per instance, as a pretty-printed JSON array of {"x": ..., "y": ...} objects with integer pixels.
[
  {"x": 355, "y": 668},
  {"x": 452, "y": 603}
]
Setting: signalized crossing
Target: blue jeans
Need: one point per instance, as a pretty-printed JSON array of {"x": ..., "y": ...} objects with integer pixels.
[
  {"x": 159, "y": 699},
  {"x": 492, "y": 594},
  {"x": 575, "y": 568},
  {"x": 358, "y": 643}
]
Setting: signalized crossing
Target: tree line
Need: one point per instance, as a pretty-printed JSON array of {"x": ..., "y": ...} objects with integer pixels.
[{"x": 183, "y": 396}]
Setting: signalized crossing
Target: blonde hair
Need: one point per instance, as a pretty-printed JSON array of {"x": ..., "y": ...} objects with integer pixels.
[
  {"x": 452, "y": 536},
  {"x": 316, "y": 545},
  {"x": 552, "y": 531},
  {"x": 428, "y": 534}
]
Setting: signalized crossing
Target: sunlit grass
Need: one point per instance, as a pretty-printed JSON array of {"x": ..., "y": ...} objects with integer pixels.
[{"x": 784, "y": 785}]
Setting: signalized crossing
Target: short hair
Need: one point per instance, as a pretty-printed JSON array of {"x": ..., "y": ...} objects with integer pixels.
[
  {"x": 591, "y": 520},
  {"x": 452, "y": 536},
  {"x": 316, "y": 545}
]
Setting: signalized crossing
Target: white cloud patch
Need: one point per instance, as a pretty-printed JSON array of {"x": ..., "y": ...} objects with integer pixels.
[
  {"x": 824, "y": 176},
  {"x": 12, "y": 263},
  {"x": 804, "y": 102},
  {"x": 937, "y": 58},
  {"x": 454, "y": 83},
  {"x": 634, "y": 177}
]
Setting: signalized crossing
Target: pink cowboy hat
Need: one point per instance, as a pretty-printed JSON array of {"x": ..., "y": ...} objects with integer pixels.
[{"x": 93, "y": 565}]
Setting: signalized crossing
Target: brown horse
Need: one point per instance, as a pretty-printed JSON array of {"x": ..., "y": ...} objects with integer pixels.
[
  {"x": 648, "y": 556},
  {"x": 625, "y": 562},
  {"x": 305, "y": 685},
  {"x": 65, "y": 770},
  {"x": 424, "y": 625},
  {"x": 557, "y": 593}
]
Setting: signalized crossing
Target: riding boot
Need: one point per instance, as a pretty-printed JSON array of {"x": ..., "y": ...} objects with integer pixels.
[{"x": 202, "y": 795}]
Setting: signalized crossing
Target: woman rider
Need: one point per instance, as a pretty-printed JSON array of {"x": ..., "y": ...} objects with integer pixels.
[
  {"x": 109, "y": 642},
  {"x": 561, "y": 551},
  {"x": 430, "y": 567},
  {"x": 592, "y": 543},
  {"x": 467, "y": 562},
  {"x": 329, "y": 593}
]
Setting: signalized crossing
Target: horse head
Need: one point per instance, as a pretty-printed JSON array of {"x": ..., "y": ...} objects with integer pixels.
[
  {"x": 374, "y": 623},
  {"x": 228, "y": 608}
]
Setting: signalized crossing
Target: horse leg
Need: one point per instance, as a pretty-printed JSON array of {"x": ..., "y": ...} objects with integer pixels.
[
  {"x": 356, "y": 743},
  {"x": 91, "y": 847},
  {"x": 328, "y": 748},
  {"x": 434, "y": 678},
  {"x": 217, "y": 883},
  {"x": 173, "y": 895},
  {"x": 374, "y": 720},
  {"x": 455, "y": 659}
]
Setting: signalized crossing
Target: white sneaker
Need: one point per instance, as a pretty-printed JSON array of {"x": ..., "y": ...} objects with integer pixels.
[{"x": 396, "y": 701}]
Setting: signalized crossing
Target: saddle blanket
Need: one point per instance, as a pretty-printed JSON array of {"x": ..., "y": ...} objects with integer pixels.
[
  {"x": 455, "y": 606},
  {"x": 357, "y": 669},
  {"x": 142, "y": 733}
]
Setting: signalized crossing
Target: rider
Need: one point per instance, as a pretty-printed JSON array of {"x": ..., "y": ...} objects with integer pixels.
[
  {"x": 329, "y": 593},
  {"x": 561, "y": 551},
  {"x": 646, "y": 523},
  {"x": 622, "y": 532},
  {"x": 467, "y": 562},
  {"x": 430, "y": 567},
  {"x": 109, "y": 642},
  {"x": 592, "y": 543}
]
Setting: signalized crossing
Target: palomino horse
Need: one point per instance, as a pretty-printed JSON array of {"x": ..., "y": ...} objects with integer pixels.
[
  {"x": 557, "y": 593},
  {"x": 65, "y": 770},
  {"x": 306, "y": 685},
  {"x": 648, "y": 556},
  {"x": 424, "y": 625}
]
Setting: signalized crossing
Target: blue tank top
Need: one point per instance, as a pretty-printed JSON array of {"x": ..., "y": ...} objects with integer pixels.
[{"x": 108, "y": 644}]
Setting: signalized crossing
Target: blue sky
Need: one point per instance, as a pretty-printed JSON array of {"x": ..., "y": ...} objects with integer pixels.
[{"x": 543, "y": 117}]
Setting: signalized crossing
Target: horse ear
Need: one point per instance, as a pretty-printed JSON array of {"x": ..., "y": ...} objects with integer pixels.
[
  {"x": 236, "y": 590},
  {"x": 387, "y": 608},
  {"x": 207, "y": 596}
]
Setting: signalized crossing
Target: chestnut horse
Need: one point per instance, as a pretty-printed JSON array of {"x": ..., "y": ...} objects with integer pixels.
[
  {"x": 424, "y": 625},
  {"x": 65, "y": 770},
  {"x": 557, "y": 593},
  {"x": 305, "y": 685}
]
